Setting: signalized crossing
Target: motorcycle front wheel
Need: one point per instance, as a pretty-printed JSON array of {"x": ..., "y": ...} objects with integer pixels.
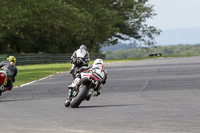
[
  {"x": 74, "y": 72},
  {"x": 76, "y": 101}
]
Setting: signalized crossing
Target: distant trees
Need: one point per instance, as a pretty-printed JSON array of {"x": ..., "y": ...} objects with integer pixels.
[
  {"x": 178, "y": 49},
  {"x": 60, "y": 26},
  {"x": 144, "y": 52}
]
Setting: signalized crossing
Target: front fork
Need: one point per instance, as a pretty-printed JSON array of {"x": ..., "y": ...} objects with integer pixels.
[
  {"x": 70, "y": 93},
  {"x": 73, "y": 92}
]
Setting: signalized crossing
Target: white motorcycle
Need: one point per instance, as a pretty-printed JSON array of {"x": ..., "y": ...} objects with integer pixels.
[{"x": 90, "y": 81}]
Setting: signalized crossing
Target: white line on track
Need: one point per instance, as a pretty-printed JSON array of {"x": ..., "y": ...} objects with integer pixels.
[
  {"x": 37, "y": 80},
  {"x": 33, "y": 82}
]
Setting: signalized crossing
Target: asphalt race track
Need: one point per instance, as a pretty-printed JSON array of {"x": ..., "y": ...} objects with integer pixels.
[{"x": 148, "y": 96}]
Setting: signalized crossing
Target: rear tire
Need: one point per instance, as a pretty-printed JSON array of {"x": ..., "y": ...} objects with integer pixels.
[{"x": 76, "y": 101}]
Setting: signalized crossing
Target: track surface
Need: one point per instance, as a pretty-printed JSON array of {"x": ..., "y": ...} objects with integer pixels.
[{"x": 149, "y": 96}]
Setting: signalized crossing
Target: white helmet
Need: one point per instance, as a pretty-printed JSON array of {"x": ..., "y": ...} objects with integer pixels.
[
  {"x": 83, "y": 47},
  {"x": 97, "y": 62}
]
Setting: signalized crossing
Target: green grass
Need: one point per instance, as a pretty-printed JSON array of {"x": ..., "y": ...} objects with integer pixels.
[{"x": 33, "y": 72}]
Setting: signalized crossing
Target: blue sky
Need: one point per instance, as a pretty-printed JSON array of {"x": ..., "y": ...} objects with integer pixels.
[
  {"x": 175, "y": 14},
  {"x": 179, "y": 21}
]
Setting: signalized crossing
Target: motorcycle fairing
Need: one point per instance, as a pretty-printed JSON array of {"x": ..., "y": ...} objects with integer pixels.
[{"x": 3, "y": 78}]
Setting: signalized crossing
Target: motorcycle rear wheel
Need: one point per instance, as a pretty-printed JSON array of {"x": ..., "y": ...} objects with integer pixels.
[{"x": 76, "y": 101}]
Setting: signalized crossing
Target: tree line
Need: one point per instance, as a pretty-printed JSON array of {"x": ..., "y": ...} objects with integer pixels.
[
  {"x": 165, "y": 50},
  {"x": 61, "y": 26}
]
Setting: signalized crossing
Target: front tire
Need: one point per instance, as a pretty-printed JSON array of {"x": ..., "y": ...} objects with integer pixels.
[
  {"x": 76, "y": 101},
  {"x": 74, "y": 72}
]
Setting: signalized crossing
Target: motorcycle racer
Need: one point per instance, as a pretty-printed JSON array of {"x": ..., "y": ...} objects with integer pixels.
[
  {"x": 10, "y": 65},
  {"x": 98, "y": 71},
  {"x": 81, "y": 53}
]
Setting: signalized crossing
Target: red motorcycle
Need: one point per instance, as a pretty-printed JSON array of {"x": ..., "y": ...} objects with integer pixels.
[{"x": 3, "y": 80}]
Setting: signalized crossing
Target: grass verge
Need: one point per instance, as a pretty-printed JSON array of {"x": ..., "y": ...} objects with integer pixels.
[{"x": 33, "y": 72}]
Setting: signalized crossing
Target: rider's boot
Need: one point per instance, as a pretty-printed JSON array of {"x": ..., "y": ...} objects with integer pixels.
[
  {"x": 97, "y": 91},
  {"x": 74, "y": 83},
  {"x": 88, "y": 96}
]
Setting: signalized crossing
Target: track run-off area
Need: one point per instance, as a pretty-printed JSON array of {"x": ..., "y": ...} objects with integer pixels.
[{"x": 148, "y": 96}]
